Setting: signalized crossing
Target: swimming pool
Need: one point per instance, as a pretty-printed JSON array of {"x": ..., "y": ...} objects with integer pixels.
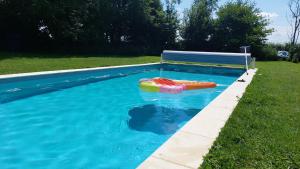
[{"x": 97, "y": 118}]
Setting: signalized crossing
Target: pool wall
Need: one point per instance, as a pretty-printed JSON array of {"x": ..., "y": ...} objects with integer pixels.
[{"x": 18, "y": 86}]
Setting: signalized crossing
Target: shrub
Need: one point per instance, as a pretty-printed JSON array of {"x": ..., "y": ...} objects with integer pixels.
[
  {"x": 295, "y": 57},
  {"x": 295, "y": 60},
  {"x": 280, "y": 46},
  {"x": 268, "y": 53},
  {"x": 294, "y": 53}
]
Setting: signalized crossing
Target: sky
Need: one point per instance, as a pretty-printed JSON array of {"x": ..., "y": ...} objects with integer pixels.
[{"x": 275, "y": 10}]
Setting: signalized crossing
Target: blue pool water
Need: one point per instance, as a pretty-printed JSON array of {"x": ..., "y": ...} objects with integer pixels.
[{"x": 107, "y": 123}]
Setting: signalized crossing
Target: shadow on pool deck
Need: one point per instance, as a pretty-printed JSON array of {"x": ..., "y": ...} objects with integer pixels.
[{"x": 158, "y": 119}]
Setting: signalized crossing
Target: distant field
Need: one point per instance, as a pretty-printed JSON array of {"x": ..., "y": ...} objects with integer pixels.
[
  {"x": 264, "y": 129},
  {"x": 21, "y": 63}
]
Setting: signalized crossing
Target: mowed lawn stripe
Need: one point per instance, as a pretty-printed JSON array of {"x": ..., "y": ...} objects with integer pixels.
[{"x": 20, "y": 63}]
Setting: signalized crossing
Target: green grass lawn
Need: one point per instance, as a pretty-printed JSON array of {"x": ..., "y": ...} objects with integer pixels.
[
  {"x": 20, "y": 63},
  {"x": 264, "y": 129}
]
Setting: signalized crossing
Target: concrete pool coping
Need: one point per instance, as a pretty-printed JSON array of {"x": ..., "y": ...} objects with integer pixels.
[
  {"x": 5, "y": 76},
  {"x": 187, "y": 147}
]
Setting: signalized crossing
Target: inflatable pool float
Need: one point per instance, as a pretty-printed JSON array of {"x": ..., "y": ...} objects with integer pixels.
[{"x": 164, "y": 85}]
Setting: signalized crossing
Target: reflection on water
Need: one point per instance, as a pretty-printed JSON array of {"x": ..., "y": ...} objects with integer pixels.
[{"x": 158, "y": 119}]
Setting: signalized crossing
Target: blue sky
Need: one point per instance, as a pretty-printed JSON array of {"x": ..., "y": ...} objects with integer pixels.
[{"x": 275, "y": 10}]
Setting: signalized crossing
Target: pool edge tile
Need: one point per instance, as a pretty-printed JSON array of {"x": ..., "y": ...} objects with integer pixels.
[
  {"x": 184, "y": 149},
  {"x": 156, "y": 163}
]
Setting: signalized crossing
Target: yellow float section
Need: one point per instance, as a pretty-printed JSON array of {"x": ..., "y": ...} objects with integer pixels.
[{"x": 149, "y": 86}]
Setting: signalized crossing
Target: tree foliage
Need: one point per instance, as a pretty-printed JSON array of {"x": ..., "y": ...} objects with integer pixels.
[
  {"x": 198, "y": 25},
  {"x": 240, "y": 23},
  {"x": 88, "y": 24},
  {"x": 129, "y": 26},
  {"x": 235, "y": 24}
]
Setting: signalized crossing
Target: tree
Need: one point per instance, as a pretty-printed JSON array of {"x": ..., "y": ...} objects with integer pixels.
[
  {"x": 240, "y": 23},
  {"x": 171, "y": 24},
  {"x": 137, "y": 26},
  {"x": 27, "y": 24},
  {"x": 294, "y": 7},
  {"x": 94, "y": 35},
  {"x": 18, "y": 24},
  {"x": 198, "y": 25},
  {"x": 145, "y": 19}
]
